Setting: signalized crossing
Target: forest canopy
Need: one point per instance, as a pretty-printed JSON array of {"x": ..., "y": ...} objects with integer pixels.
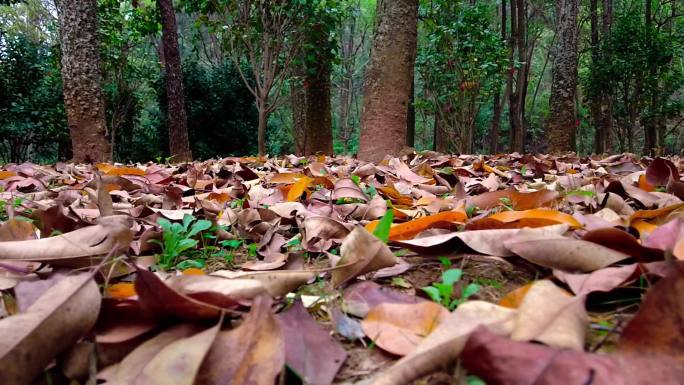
[{"x": 293, "y": 76}]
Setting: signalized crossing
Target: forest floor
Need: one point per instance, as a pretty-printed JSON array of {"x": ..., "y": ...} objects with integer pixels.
[{"x": 426, "y": 269}]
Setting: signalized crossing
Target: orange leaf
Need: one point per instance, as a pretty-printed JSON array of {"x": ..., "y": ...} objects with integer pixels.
[
  {"x": 553, "y": 216},
  {"x": 6, "y": 174},
  {"x": 109, "y": 169},
  {"x": 395, "y": 196},
  {"x": 678, "y": 250},
  {"x": 286, "y": 177},
  {"x": 650, "y": 214},
  {"x": 519, "y": 200},
  {"x": 514, "y": 298},
  {"x": 193, "y": 271},
  {"x": 410, "y": 229},
  {"x": 644, "y": 185},
  {"x": 644, "y": 228},
  {"x": 298, "y": 188},
  {"x": 121, "y": 290}
]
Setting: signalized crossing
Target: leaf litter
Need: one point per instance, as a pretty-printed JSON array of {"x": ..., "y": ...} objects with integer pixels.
[{"x": 317, "y": 270}]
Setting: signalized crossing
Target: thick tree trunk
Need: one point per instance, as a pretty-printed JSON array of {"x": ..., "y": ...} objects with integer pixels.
[
  {"x": 81, "y": 76},
  {"x": 517, "y": 94},
  {"x": 318, "y": 120},
  {"x": 179, "y": 144},
  {"x": 388, "y": 80},
  {"x": 561, "y": 123}
]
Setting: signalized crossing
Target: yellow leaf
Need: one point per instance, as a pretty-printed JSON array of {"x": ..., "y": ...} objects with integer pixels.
[
  {"x": 651, "y": 214},
  {"x": 410, "y": 229},
  {"x": 193, "y": 271},
  {"x": 298, "y": 188},
  {"x": 552, "y": 216},
  {"x": 644, "y": 228},
  {"x": 286, "y": 177}
]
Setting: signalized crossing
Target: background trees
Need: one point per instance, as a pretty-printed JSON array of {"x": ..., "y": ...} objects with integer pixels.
[{"x": 293, "y": 70}]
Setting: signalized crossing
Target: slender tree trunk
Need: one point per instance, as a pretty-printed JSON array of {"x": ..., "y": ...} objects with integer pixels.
[
  {"x": 261, "y": 131},
  {"x": 298, "y": 103},
  {"x": 388, "y": 80},
  {"x": 561, "y": 124},
  {"x": 81, "y": 76},
  {"x": 517, "y": 95},
  {"x": 318, "y": 119},
  {"x": 606, "y": 123},
  {"x": 498, "y": 100},
  {"x": 440, "y": 140},
  {"x": 411, "y": 118},
  {"x": 179, "y": 144}
]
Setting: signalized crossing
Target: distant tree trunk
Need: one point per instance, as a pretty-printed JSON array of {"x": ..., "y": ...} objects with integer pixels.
[
  {"x": 411, "y": 118},
  {"x": 261, "y": 130},
  {"x": 318, "y": 118},
  {"x": 177, "y": 122},
  {"x": 81, "y": 76},
  {"x": 440, "y": 139},
  {"x": 298, "y": 104},
  {"x": 498, "y": 102},
  {"x": 388, "y": 80},
  {"x": 605, "y": 123},
  {"x": 561, "y": 123},
  {"x": 650, "y": 123},
  {"x": 517, "y": 94}
]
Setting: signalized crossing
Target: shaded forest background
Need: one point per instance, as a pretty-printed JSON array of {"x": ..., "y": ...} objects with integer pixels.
[{"x": 483, "y": 78}]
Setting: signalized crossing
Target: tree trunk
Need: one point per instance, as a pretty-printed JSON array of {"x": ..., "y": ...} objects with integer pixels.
[
  {"x": 81, "y": 76},
  {"x": 440, "y": 137},
  {"x": 176, "y": 120},
  {"x": 495, "y": 130},
  {"x": 517, "y": 95},
  {"x": 561, "y": 123},
  {"x": 411, "y": 118},
  {"x": 298, "y": 103},
  {"x": 318, "y": 120},
  {"x": 388, "y": 80},
  {"x": 605, "y": 125},
  {"x": 261, "y": 131}
]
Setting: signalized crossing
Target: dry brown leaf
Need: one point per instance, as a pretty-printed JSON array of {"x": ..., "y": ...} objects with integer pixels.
[
  {"x": 53, "y": 323},
  {"x": 251, "y": 354},
  {"x": 361, "y": 253},
  {"x": 398, "y": 327},
  {"x": 489, "y": 242},
  {"x": 445, "y": 343},
  {"x": 276, "y": 282},
  {"x": 550, "y": 315},
  {"x": 572, "y": 255},
  {"x": 110, "y": 234}
]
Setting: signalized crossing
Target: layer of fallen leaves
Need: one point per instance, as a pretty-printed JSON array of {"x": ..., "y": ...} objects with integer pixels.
[{"x": 232, "y": 270}]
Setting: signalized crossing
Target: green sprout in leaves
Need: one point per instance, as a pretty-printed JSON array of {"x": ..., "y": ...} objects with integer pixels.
[
  {"x": 382, "y": 230},
  {"x": 178, "y": 238},
  {"x": 441, "y": 292},
  {"x": 506, "y": 203}
]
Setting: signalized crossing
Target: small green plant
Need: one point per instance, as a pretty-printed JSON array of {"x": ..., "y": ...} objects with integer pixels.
[
  {"x": 356, "y": 179},
  {"x": 231, "y": 245},
  {"x": 382, "y": 230},
  {"x": 15, "y": 203},
  {"x": 442, "y": 292},
  {"x": 178, "y": 238},
  {"x": 472, "y": 210},
  {"x": 523, "y": 170},
  {"x": 506, "y": 203}
]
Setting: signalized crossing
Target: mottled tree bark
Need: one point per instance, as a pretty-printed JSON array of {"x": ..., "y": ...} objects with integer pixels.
[
  {"x": 517, "y": 95},
  {"x": 298, "y": 106},
  {"x": 388, "y": 80},
  {"x": 81, "y": 76},
  {"x": 440, "y": 140},
  {"x": 498, "y": 102},
  {"x": 411, "y": 118},
  {"x": 318, "y": 121},
  {"x": 561, "y": 123},
  {"x": 179, "y": 144}
]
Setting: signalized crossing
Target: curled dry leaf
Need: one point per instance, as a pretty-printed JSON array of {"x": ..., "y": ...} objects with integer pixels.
[
  {"x": 361, "y": 253},
  {"x": 445, "y": 343},
  {"x": 550, "y": 315},
  {"x": 489, "y": 242},
  {"x": 159, "y": 300},
  {"x": 179, "y": 362},
  {"x": 362, "y": 296},
  {"x": 536, "y": 218},
  {"x": 398, "y": 328},
  {"x": 410, "y": 229},
  {"x": 623, "y": 242},
  {"x": 276, "y": 282},
  {"x": 605, "y": 279},
  {"x": 133, "y": 365},
  {"x": 251, "y": 354},
  {"x": 518, "y": 200},
  {"x": 572, "y": 255},
  {"x": 309, "y": 350},
  {"x": 53, "y": 323},
  {"x": 500, "y": 361},
  {"x": 110, "y": 234}
]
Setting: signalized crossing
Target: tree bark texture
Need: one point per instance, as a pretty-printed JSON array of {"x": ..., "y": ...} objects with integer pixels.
[
  {"x": 388, "y": 80},
  {"x": 81, "y": 76},
  {"x": 518, "y": 42},
  {"x": 562, "y": 118},
  {"x": 318, "y": 122},
  {"x": 179, "y": 143},
  {"x": 411, "y": 118}
]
